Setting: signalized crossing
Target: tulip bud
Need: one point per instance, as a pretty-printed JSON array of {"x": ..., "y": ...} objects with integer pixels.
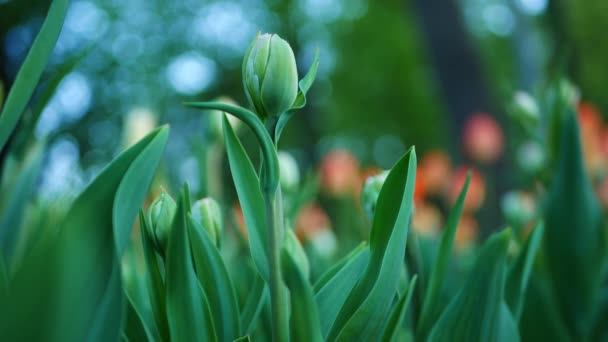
[
  {"x": 160, "y": 217},
  {"x": 290, "y": 174},
  {"x": 207, "y": 212},
  {"x": 371, "y": 191},
  {"x": 518, "y": 208},
  {"x": 270, "y": 75},
  {"x": 293, "y": 247},
  {"x": 525, "y": 110}
]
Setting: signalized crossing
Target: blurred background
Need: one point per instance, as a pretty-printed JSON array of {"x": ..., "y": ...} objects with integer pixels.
[{"x": 437, "y": 74}]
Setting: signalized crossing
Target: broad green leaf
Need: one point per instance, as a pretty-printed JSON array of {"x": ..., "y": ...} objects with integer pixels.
[
  {"x": 17, "y": 197},
  {"x": 108, "y": 321},
  {"x": 3, "y": 280},
  {"x": 431, "y": 304},
  {"x": 251, "y": 199},
  {"x": 254, "y": 303},
  {"x": 507, "y": 330},
  {"x": 304, "y": 319},
  {"x": 187, "y": 308},
  {"x": 154, "y": 280},
  {"x": 574, "y": 240},
  {"x": 31, "y": 70},
  {"x": 134, "y": 329},
  {"x": 519, "y": 272},
  {"x": 367, "y": 305},
  {"x": 474, "y": 314},
  {"x": 340, "y": 280},
  {"x": 70, "y": 281},
  {"x": 398, "y": 315},
  {"x": 334, "y": 269},
  {"x": 215, "y": 280}
]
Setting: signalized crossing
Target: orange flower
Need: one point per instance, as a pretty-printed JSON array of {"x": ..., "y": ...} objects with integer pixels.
[
  {"x": 483, "y": 138},
  {"x": 419, "y": 187},
  {"x": 435, "y": 170},
  {"x": 240, "y": 219},
  {"x": 311, "y": 221},
  {"x": 591, "y": 127},
  {"x": 340, "y": 173},
  {"x": 426, "y": 220},
  {"x": 477, "y": 189}
]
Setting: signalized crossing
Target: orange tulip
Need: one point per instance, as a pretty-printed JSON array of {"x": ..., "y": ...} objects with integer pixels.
[{"x": 340, "y": 173}]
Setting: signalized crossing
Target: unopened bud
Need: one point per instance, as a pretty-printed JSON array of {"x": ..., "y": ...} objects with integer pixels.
[
  {"x": 290, "y": 174},
  {"x": 371, "y": 191},
  {"x": 207, "y": 212},
  {"x": 160, "y": 217}
]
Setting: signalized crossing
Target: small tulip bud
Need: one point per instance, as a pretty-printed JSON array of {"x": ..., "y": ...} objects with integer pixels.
[
  {"x": 290, "y": 174},
  {"x": 270, "y": 75},
  {"x": 295, "y": 249},
  {"x": 525, "y": 110},
  {"x": 371, "y": 191},
  {"x": 208, "y": 213},
  {"x": 160, "y": 217}
]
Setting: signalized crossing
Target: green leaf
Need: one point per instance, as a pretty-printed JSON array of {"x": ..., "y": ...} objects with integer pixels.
[
  {"x": 336, "y": 284},
  {"x": 187, "y": 305},
  {"x": 68, "y": 283},
  {"x": 31, "y": 70},
  {"x": 574, "y": 241},
  {"x": 367, "y": 305},
  {"x": 507, "y": 330},
  {"x": 334, "y": 269},
  {"x": 305, "y": 84},
  {"x": 108, "y": 321},
  {"x": 474, "y": 314},
  {"x": 304, "y": 321},
  {"x": 431, "y": 304},
  {"x": 254, "y": 303},
  {"x": 251, "y": 199},
  {"x": 17, "y": 197},
  {"x": 519, "y": 272},
  {"x": 154, "y": 279},
  {"x": 134, "y": 329},
  {"x": 215, "y": 280},
  {"x": 398, "y": 315},
  {"x": 242, "y": 339}
]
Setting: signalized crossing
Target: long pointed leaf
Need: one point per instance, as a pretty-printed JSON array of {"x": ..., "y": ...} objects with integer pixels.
[
  {"x": 31, "y": 70},
  {"x": 250, "y": 197},
  {"x": 215, "y": 280},
  {"x": 398, "y": 315},
  {"x": 430, "y": 306},
  {"x": 363, "y": 313},
  {"x": 474, "y": 314}
]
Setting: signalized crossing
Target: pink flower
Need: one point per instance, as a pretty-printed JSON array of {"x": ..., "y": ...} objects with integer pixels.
[{"x": 483, "y": 138}]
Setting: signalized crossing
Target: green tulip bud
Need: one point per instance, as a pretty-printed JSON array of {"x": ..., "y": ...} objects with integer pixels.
[
  {"x": 371, "y": 191},
  {"x": 207, "y": 212},
  {"x": 525, "y": 110},
  {"x": 288, "y": 168},
  {"x": 160, "y": 217},
  {"x": 270, "y": 75},
  {"x": 296, "y": 251}
]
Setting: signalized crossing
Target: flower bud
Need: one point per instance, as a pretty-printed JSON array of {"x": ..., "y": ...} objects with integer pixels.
[
  {"x": 270, "y": 75},
  {"x": 160, "y": 217},
  {"x": 371, "y": 191},
  {"x": 207, "y": 212},
  {"x": 290, "y": 174},
  {"x": 525, "y": 110}
]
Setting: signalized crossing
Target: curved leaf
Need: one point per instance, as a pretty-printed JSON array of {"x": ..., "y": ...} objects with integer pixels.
[
  {"x": 215, "y": 280},
  {"x": 187, "y": 309},
  {"x": 430, "y": 305},
  {"x": 251, "y": 199},
  {"x": 519, "y": 273},
  {"x": 333, "y": 292},
  {"x": 363, "y": 313},
  {"x": 507, "y": 330},
  {"x": 63, "y": 285},
  {"x": 335, "y": 268},
  {"x": 304, "y": 321},
  {"x": 474, "y": 314},
  {"x": 253, "y": 306},
  {"x": 31, "y": 70},
  {"x": 397, "y": 316}
]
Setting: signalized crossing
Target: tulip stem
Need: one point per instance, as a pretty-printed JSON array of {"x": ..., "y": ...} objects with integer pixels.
[{"x": 278, "y": 291}]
